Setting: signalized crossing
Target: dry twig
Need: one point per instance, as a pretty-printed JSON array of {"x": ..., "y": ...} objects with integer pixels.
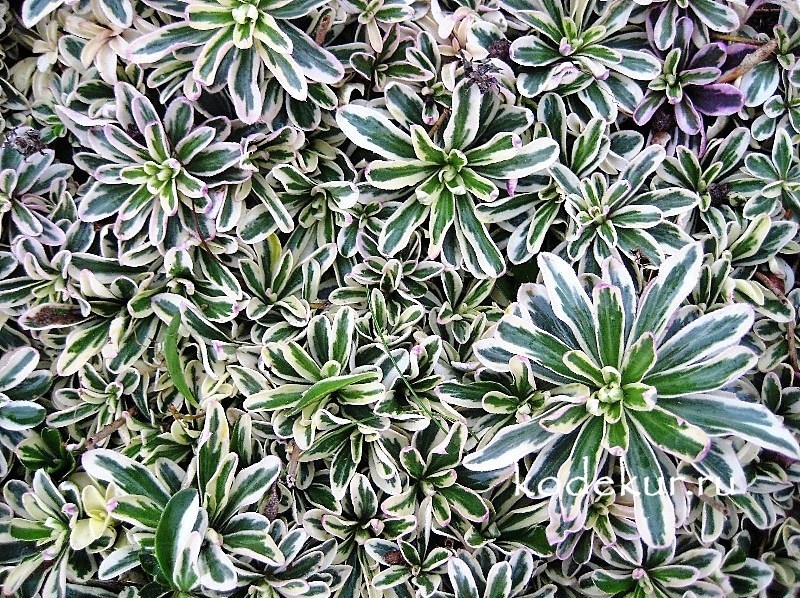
[
  {"x": 322, "y": 29},
  {"x": 439, "y": 121},
  {"x": 109, "y": 429},
  {"x": 750, "y": 62}
]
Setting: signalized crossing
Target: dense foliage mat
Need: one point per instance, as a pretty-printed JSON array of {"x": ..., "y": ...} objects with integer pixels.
[{"x": 399, "y": 298}]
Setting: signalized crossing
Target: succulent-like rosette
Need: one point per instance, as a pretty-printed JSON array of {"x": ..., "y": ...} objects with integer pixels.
[
  {"x": 399, "y": 298},
  {"x": 635, "y": 376},
  {"x": 311, "y": 385},
  {"x": 374, "y": 16},
  {"x": 27, "y": 180},
  {"x": 772, "y": 181},
  {"x": 47, "y": 531},
  {"x": 21, "y": 385},
  {"x": 687, "y": 85},
  {"x": 119, "y": 13},
  {"x": 463, "y": 163},
  {"x": 240, "y": 42},
  {"x": 708, "y": 15},
  {"x": 586, "y": 53},
  {"x": 621, "y": 217},
  {"x": 161, "y": 178}
]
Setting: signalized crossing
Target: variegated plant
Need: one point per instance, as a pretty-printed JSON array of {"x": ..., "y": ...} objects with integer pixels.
[
  {"x": 636, "y": 376},
  {"x": 399, "y": 298},
  {"x": 448, "y": 174},
  {"x": 159, "y": 177},
  {"x": 238, "y": 42}
]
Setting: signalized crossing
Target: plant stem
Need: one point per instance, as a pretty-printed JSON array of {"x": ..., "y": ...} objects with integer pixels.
[
  {"x": 109, "y": 429},
  {"x": 439, "y": 121},
  {"x": 322, "y": 29},
  {"x": 291, "y": 466},
  {"x": 750, "y": 62},
  {"x": 791, "y": 340},
  {"x": 737, "y": 39}
]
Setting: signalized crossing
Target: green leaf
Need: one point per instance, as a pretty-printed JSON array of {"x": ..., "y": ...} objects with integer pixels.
[
  {"x": 217, "y": 571},
  {"x": 214, "y": 443},
  {"x": 464, "y": 122},
  {"x": 398, "y": 174},
  {"x": 363, "y": 497},
  {"x": 102, "y": 200},
  {"x": 156, "y": 45},
  {"x": 501, "y": 146},
  {"x": 569, "y": 301},
  {"x": 652, "y": 507},
  {"x": 243, "y": 79},
  {"x": 173, "y": 359},
  {"x": 718, "y": 17},
  {"x": 343, "y": 467},
  {"x": 508, "y": 446},
  {"x": 711, "y": 374},
  {"x": 16, "y": 365},
  {"x": 81, "y": 346},
  {"x": 761, "y": 167},
  {"x": 642, "y": 166},
  {"x": 532, "y": 51},
  {"x": 662, "y": 297},
  {"x": 425, "y": 149},
  {"x": 246, "y": 535},
  {"x": 519, "y": 162},
  {"x": 138, "y": 510},
  {"x": 581, "y": 467},
  {"x": 390, "y": 577},
  {"x": 327, "y": 387},
  {"x": 287, "y": 72},
  {"x": 706, "y": 336},
  {"x": 466, "y": 502},
  {"x": 371, "y": 130},
  {"x": 131, "y": 477},
  {"x": 517, "y": 336},
  {"x": 250, "y": 485},
  {"x": 721, "y": 464},
  {"x": 21, "y": 415},
  {"x": 498, "y": 581},
  {"x": 609, "y": 324},
  {"x": 722, "y": 414},
  {"x": 672, "y": 434},
  {"x": 317, "y": 63},
  {"x": 215, "y": 159},
  {"x": 413, "y": 462},
  {"x": 759, "y": 83},
  {"x": 639, "y": 359},
  {"x": 588, "y": 146},
  {"x": 175, "y": 547},
  {"x": 34, "y": 11},
  {"x": 584, "y": 367},
  {"x": 401, "y": 225},
  {"x": 282, "y": 397},
  {"x": 118, "y": 562},
  {"x": 461, "y": 579},
  {"x": 782, "y": 153},
  {"x": 118, "y": 12},
  {"x": 481, "y": 255}
]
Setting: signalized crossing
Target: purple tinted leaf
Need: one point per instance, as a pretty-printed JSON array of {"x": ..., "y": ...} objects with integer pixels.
[
  {"x": 710, "y": 55},
  {"x": 734, "y": 54},
  {"x": 683, "y": 34},
  {"x": 719, "y": 99},
  {"x": 651, "y": 102},
  {"x": 689, "y": 120}
]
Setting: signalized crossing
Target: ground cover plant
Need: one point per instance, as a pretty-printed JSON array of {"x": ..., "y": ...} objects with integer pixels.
[{"x": 399, "y": 298}]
